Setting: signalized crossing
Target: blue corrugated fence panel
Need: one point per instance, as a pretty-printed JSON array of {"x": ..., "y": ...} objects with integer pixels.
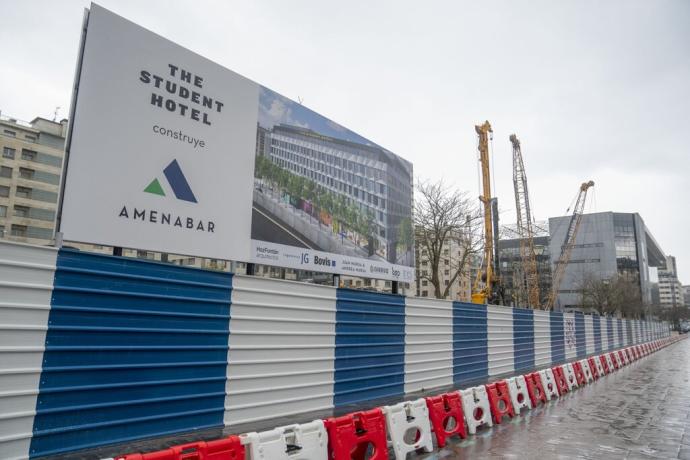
[
  {"x": 580, "y": 338},
  {"x": 134, "y": 349},
  {"x": 523, "y": 339},
  {"x": 628, "y": 329},
  {"x": 621, "y": 333},
  {"x": 369, "y": 346},
  {"x": 609, "y": 328},
  {"x": 557, "y": 338},
  {"x": 597, "y": 333},
  {"x": 470, "y": 343}
]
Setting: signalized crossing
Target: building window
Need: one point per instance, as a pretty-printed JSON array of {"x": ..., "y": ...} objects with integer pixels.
[
  {"x": 19, "y": 230},
  {"x": 446, "y": 272},
  {"x": 4, "y": 191},
  {"x": 8, "y": 153},
  {"x": 2, "y": 231},
  {"x": 445, "y": 282},
  {"x": 5, "y": 171},
  {"x": 30, "y": 138},
  {"x": 21, "y": 211},
  {"x": 425, "y": 283},
  {"x": 23, "y": 192},
  {"x": 28, "y": 155},
  {"x": 425, "y": 293},
  {"x": 7, "y": 132},
  {"x": 3, "y": 211},
  {"x": 26, "y": 173}
]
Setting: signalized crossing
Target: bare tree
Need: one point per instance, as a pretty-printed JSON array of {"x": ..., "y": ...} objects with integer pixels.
[
  {"x": 617, "y": 294},
  {"x": 443, "y": 216}
]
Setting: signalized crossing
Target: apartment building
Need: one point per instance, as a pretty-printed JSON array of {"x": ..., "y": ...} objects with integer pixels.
[{"x": 30, "y": 169}]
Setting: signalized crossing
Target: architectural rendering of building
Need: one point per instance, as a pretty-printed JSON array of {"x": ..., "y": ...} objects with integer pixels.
[
  {"x": 369, "y": 177},
  {"x": 608, "y": 244},
  {"x": 30, "y": 169}
]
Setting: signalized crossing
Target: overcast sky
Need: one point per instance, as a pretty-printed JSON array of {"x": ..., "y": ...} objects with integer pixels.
[{"x": 594, "y": 90}]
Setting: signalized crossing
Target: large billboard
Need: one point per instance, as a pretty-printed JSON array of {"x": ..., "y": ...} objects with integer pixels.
[{"x": 171, "y": 152}]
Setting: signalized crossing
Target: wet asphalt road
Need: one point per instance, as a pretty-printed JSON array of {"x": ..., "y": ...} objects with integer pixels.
[{"x": 641, "y": 411}]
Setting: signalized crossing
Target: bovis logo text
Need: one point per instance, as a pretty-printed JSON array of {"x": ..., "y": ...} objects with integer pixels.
[{"x": 180, "y": 187}]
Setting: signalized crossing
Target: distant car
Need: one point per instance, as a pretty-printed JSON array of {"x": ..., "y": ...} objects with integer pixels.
[{"x": 684, "y": 327}]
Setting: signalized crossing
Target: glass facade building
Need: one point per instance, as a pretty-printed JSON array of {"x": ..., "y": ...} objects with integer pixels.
[{"x": 607, "y": 244}]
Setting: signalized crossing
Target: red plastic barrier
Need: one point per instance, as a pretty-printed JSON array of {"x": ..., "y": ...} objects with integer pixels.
[
  {"x": 622, "y": 356},
  {"x": 638, "y": 349},
  {"x": 614, "y": 360},
  {"x": 498, "y": 391},
  {"x": 441, "y": 409},
  {"x": 535, "y": 388},
  {"x": 579, "y": 373},
  {"x": 222, "y": 449},
  {"x": 349, "y": 436},
  {"x": 561, "y": 382},
  {"x": 605, "y": 364},
  {"x": 593, "y": 367}
]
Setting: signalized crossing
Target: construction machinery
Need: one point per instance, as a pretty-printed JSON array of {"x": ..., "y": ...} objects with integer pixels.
[
  {"x": 486, "y": 287},
  {"x": 527, "y": 275},
  {"x": 568, "y": 244}
]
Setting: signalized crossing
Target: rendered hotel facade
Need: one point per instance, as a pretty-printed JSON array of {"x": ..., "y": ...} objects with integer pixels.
[{"x": 368, "y": 176}]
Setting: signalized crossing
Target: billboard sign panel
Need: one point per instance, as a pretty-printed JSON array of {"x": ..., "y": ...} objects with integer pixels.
[{"x": 171, "y": 152}]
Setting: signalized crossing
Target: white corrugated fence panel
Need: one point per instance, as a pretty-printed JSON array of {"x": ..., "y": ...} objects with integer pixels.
[
  {"x": 26, "y": 284},
  {"x": 542, "y": 338},
  {"x": 500, "y": 340},
  {"x": 428, "y": 343},
  {"x": 605, "y": 345},
  {"x": 282, "y": 349}
]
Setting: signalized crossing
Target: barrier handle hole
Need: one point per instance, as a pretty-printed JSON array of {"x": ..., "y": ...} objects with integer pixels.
[
  {"x": 410, "y": 418},
  {"x": 292, "y": 448},
  {"x": 520, "y": 398}
]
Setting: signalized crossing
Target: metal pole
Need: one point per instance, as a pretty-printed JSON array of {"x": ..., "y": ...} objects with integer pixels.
[
  {"x": 336, "y": 280},
  {"x": 70, "y": 126}
]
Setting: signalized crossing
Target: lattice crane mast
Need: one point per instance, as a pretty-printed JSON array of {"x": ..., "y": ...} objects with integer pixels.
[
  {"x": 568, "y": 244},
  {"x": 524, "y": 226}
]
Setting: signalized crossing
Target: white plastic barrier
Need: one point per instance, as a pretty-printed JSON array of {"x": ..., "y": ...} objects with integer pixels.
[
  {"x": 626, "y": 361},
  {"x": 617, "y": 359},
  {"x": 402, "y": 417},
  {"x": 475, "y": 402},
  {"x": 549, "y": 383},
  {"x": 589, "y": 378},
  {"x": 308, "y": 441},
  {"x": 517, "y": 387},
  {"x": 570, "y": 378}
]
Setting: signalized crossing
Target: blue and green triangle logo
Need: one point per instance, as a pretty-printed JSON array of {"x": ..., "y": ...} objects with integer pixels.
[{"x": 178, "y": 183}]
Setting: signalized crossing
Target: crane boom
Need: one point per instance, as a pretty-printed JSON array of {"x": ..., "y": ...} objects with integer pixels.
[
  {"x": 481, "y": 295},
  {"x": 568, "y": 244},
  {"x": 524, "y": 226}
]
